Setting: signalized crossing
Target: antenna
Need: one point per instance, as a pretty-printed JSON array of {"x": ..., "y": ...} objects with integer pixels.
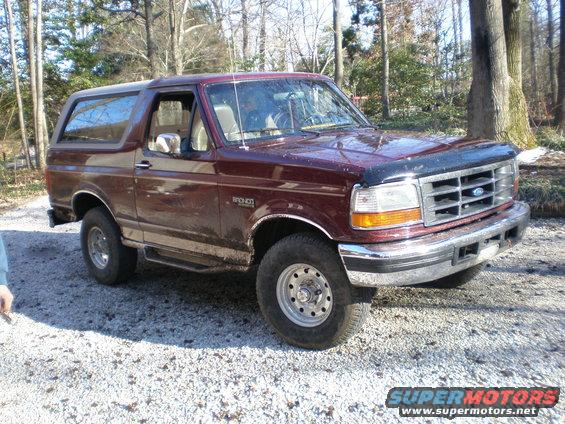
[{"x": 241, "y": 132}]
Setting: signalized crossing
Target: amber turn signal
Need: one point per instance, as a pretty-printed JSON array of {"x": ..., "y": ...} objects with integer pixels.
[{"x": 385, "y": 219}]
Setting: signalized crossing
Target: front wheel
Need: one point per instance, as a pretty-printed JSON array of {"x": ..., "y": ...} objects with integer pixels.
[{"x": 304, "y": 293}]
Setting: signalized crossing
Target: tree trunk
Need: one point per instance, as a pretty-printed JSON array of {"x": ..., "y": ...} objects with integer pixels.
[
  {"x": 263, "y": 35},
  {"x": 245, "y": 29},
  {"x": 338, "y": 50},
  {"x": 16, "y": 79},
  {"x": 173, "y": 33},
  {"x": 456, "y": 47},
  {"x": 561, "y": 92},
  {"x": 550, "y": 36},
  {"x": 455, "y": 24},
  {"x": 42, "y": 123},
  {"x": 150, "y": 39},
  {"x": 533, "y": 61},
  {"x": 519, "y": 130},
  {"x": 489, "y": 103},
  {"x": 30, "y": 32},
  {"x": 385, "y": 65},
  {"x": 460, "y": 19}
]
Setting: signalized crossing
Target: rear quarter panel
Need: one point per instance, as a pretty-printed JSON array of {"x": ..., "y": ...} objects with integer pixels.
[{"x": 105, "y": 171}]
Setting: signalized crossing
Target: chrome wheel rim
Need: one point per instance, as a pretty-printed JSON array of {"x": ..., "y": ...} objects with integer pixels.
[
  {"x": 304, "y": 295},
  {"x": 98, "y": 248}
]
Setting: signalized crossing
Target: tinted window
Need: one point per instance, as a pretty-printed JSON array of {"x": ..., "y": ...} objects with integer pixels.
[{"x": 101, "y": 120}]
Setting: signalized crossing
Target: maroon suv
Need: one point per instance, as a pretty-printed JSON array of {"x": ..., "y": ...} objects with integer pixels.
[{"x": 226, "y": 172}]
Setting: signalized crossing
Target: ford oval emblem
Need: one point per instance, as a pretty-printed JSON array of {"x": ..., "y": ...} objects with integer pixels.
[{"x": 479, "y": 191}]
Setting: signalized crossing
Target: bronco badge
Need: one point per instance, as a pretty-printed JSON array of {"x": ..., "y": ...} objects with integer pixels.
[{"x": 245, "y": 202}]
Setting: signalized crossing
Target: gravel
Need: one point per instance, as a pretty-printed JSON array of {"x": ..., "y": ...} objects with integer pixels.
[{"x": 173, "y": 345}]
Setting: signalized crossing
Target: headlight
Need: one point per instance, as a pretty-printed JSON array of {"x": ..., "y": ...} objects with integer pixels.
[{"x": 385, "y": 205}]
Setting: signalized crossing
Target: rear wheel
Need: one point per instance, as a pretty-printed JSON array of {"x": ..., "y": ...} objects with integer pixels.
[
  {"x": 304, "y": 293},
  {"x": 107, "y": 259},
  {"x": 459, "y": 278}
]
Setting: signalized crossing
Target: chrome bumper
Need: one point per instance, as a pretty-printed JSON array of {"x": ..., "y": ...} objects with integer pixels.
[{"x": 436, "y": 255}]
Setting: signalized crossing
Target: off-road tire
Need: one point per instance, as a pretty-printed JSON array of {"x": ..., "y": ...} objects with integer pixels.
[
  {"x": 459, "y": 278},
  {"x": 350, "y": 306},
  {"x": 122, "y": 260}
]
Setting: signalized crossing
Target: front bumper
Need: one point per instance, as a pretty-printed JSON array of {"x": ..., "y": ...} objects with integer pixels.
[{"x": 436, "y": 255}]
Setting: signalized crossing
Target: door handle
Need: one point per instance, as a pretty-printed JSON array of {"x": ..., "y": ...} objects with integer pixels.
[{"x": 143, "y": 165}]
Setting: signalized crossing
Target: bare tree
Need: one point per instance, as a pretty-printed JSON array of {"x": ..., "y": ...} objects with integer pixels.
[
  {"x": 174, "y": 39},
  {"x": 42, "y": 126},
  {"x": 385, "y": 61},
  {"x": 550, "y": 47},
  {"x": 16, "y": 79},
  {"x": 150, "y": 41},
  {"x": 561, "y": 73},
  {"x": 533, "y": 24},
  {"x": 460, "y": 20},
  {"x": 245, "y": 29},
  {"x": 263, "y": 35},
  {"x": 338, "y": 53},
  {"x": 30, "y": 42}
]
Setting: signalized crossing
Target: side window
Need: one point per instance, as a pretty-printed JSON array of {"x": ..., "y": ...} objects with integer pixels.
[
  {"x": 198, "y": 135},
  {"x": 170, "y": 123},
  {"x": 101, "y": 120}
]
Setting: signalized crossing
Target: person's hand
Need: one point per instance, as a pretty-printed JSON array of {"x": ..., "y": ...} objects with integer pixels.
[{"x": 6, "y": 299}]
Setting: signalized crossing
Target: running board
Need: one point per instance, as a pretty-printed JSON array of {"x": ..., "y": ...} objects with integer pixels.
[{"x": 152, "y": 255}]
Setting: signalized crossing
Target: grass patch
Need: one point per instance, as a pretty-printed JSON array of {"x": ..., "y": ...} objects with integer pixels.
[
  {"x": 546, "y": 196},
  {"x": 550, "y": 138},
  {"x": 20, "y": 184}
]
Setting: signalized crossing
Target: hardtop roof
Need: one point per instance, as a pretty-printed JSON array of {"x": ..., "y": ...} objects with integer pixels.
[{"x": 190, "y": 79}]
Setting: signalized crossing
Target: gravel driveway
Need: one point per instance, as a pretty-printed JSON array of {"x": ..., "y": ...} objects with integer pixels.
[{"x": 172, "y": 345}]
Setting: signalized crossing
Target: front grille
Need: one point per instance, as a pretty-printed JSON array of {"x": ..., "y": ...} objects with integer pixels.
[{"x": 454, "y": 195}]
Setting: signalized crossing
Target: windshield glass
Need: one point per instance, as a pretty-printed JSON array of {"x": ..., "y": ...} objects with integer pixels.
[{"x": 270, "y": 108}]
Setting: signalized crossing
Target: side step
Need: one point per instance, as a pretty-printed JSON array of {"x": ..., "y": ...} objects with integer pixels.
[{"x": 161, "y": 257}]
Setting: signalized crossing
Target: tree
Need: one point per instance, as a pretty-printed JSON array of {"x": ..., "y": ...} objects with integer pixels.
[
  {"x": 561, "y": 73},
  {"x": 488, "y": 99},
  {"x": 16, "y": 79},
  {"x": 385, "y": 61},
  {"x": 496, "y": 107},
  {"x": 150, "y": 42},
  {"x": 245, "y": 30},
  {"x": 533, "y": 24},
  {"x": 42, "y": 134},
  {"x": 338, "y": 50},
  {"x": 550, "y": 47},
  {"x": 263, "y": 35},
  {"x": 519, "y": 130}
]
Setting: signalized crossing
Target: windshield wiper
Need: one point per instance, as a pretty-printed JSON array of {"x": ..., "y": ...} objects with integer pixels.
[
  {"x": 266, "y": 130},
  {"x": 336, "y": 126}
]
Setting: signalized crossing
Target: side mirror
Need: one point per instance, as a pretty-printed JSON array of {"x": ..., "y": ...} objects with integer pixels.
[{"x": 168, "y": 143}]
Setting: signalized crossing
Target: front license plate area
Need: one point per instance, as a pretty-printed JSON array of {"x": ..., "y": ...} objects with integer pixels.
[{"x": 488, "y": 252}]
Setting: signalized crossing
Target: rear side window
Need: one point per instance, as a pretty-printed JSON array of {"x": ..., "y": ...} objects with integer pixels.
[{"x": 100, "y": 120}]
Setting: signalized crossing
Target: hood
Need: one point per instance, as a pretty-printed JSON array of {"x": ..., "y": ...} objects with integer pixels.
[{"x": 382, "y": 156}]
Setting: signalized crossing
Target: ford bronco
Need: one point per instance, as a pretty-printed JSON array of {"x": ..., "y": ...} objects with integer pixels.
[{"x": 281, "y": 173}]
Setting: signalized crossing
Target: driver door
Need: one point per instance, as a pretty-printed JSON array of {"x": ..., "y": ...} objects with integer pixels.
[{"x": 176, "y": 184}]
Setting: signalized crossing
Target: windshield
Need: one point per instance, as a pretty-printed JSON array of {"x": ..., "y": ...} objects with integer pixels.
[{"x": 270, "y": 108}]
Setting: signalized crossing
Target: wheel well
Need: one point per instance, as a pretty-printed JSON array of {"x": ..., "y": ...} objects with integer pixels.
[
  {"x": 274, "y": 230},
  {"x": 83, "y": 202}
]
